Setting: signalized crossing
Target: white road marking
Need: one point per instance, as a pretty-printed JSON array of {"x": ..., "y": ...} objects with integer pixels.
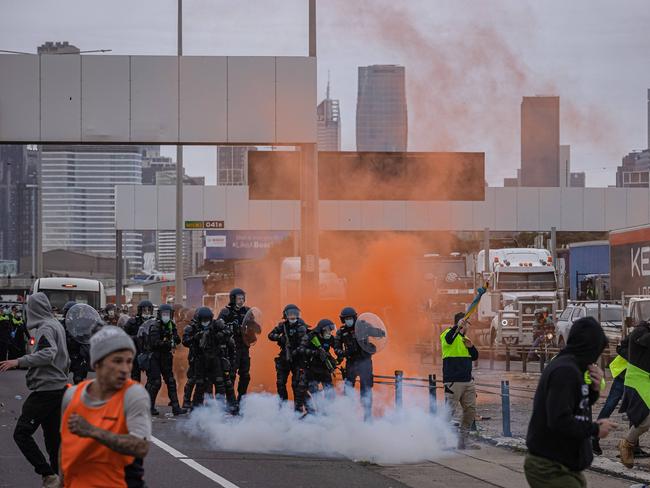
[{"x": 193, "y": 464}]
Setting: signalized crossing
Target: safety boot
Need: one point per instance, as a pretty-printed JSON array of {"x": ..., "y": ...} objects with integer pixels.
[
  {"x": 154, "y": 411},
  {"x": 51, "y": 481},
  {"x": 595, "y": 446},
  {"x": 177, "y": 410},
  {"x": 627, "y": 453}
]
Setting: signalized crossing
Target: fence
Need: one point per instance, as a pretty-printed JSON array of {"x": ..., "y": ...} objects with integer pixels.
[{"x": 399, "y": 382}]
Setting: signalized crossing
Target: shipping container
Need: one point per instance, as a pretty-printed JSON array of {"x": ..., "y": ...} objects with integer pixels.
[
  {"x": 630, "y": 261},
  {"x": 585, "y": 259}
]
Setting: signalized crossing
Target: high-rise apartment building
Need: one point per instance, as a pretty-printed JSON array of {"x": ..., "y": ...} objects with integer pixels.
[
  {"x": 540, "y": 141},
  {"x": 232, "y": 165},
  {"x": 78, "y": 197},
  {"x": 634, "y": 172},
  {"x": 382, "y": 121},
  {"x": 328, "y": 123}
]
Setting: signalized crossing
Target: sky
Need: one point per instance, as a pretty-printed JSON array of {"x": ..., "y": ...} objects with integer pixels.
[{"x": 468, "y": 62}]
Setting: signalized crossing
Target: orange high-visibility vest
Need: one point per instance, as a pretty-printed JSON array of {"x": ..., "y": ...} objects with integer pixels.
[{"x": 85, "y": 462}]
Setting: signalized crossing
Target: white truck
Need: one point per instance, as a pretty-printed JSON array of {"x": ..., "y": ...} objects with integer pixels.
[
  {"x": 62, "y": 290},
  {"x": 521, "y": 281}
]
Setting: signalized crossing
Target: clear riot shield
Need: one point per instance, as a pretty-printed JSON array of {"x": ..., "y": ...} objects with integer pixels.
[
  {"x": 121, "y": 322},
  {"x": 370, "y": 333},
  {"x": 81, "y": 322},
  {"x": 251, "y": 326}
]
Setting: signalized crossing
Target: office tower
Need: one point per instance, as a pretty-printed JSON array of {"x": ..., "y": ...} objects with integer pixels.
[
  {"x": 232, "y": 165},
  {"x": 634, "y": 172},
  {"x": 382, "y": 123},
  {"x": 328, "y": 123},
  {"x": 540, "y": 141}
]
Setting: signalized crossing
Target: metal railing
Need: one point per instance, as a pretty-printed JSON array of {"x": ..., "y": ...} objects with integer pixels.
[{"x": 503, "y": 390}]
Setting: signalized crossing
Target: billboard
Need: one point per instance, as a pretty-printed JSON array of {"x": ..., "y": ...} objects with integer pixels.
[
  {"x": 241, "y": 244},
  {"x": 630, "y": 262},
  {"x": 422, "y": 176}
]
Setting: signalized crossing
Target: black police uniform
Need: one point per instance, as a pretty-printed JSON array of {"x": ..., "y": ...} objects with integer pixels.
[
  {"x": 321, "y": 364},
  {"x": 5, "y": 335},
  {"x": 131, "y": 328},
  {"x": 358, "y": 364},
  {"x": 160, "y": 343},
  {"x": 216, "y": 354},
  {"x": 291, "y": 360},
  {"x": 188, "y": 341},
  {"x": 242, "y": 365},
  {"x": 19, "y": 338},
  {"x": 79, "y": 356}
]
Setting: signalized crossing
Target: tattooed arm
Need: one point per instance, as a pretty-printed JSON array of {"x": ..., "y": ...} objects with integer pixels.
[{"x": 126, "y": 444}]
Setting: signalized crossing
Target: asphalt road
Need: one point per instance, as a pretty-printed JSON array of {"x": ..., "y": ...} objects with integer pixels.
[{"x": 178, "y": 461}]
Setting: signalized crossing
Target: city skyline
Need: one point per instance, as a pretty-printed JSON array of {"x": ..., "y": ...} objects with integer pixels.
[{"x": 524, "y": 49}]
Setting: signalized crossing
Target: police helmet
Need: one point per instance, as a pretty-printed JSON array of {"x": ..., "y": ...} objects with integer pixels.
[
  {"x": 203, "y": 313},
  {"x": 325, "y": 324},
  {"x": 144, "y": 304},
  {"x": 165, "y": 308},
  {"x": 288, "y": 308},
  {"x": 67, "y": 306},
  {"x": 348, "y": 313},
  {"x": 233, "y": 295},
  {"x": 110, "y": 306}
]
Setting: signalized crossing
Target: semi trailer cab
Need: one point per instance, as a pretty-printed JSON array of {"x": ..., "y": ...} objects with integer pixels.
[
  {"x": 62, "y": 290},
  {"x": 521, "y": 281}
]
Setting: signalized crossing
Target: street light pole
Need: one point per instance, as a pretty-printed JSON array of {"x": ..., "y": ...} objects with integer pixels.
[{"x": 179, "y": 183}]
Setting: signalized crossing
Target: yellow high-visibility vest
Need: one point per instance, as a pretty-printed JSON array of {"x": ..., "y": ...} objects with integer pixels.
[
  {"x": 456, "y": 349},
  {"x": 618, "y": 365}
]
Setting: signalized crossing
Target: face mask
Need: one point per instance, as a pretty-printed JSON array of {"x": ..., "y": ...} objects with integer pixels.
[
  {"x": 293, "y": 320},
  {"x": 146, "y": 316},
  {"x": 205, "y": 324},
  {"x": 165, "y": 318},
  {"x": 111, "y": 313},
  {"x": 349, "y": 322},
  {"x": 327, "y": 334}
]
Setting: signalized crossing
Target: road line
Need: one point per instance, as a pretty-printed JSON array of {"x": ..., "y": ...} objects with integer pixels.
[{"x": 193, "y": 464}]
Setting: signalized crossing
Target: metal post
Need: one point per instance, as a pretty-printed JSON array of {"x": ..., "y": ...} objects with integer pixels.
[
  {"x": 554, "y": 244},
  {"x": 524, "y": 360},
  {"x": 433, "y": 395},
  {"x": 312, "y": 28},
  {"x": 505, "y": 408},
  {"x": 39, "y": 223},
  {"x": 486, "y": 248},
  {"x": 399, "y": 378},
  {"x": 179, "y": 184},
  {"x": 119, "y": 278},
  {"x": 507, "y": 357}
]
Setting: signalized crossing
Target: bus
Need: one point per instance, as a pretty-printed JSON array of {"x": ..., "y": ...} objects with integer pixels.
[{"x": 62, "y": 290}]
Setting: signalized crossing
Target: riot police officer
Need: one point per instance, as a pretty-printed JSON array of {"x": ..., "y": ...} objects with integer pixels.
[
  {"x": 358, "y": 362},
  {"x": 160, "y": 342},
  {"x": 216, "y": 355},
  {"x": 318, "y": 346},
  {"x": 110, "y": 315},
  {"x": 64, "y": 311},
  {"x": 144, "y": 313},
  {"x": 189, "y": 333},
  {"x": 289, "y": 336},
  {"x": 19, "y": 335},
  {"x": 233, "y": 315}
]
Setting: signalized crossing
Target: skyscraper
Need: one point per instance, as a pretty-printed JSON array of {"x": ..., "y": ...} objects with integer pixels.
[
  {"x": 18, "y": 202},
  {"x": 540, "y": 141},
  {"x": 382, "y": 123},
  {"x": 232, "y": 164},
  {"x": 329, "y": 123},
  {"x": 78, "y": 197}
]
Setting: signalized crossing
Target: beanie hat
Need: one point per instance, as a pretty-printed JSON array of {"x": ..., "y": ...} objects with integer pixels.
[{"x": 107, "y": 340}]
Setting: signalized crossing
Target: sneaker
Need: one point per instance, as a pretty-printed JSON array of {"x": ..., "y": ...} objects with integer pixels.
[
  {"x": 640, "y": 453},
  {"x": 595, "y": 446},
  {"x": 176, "y": 410},
  {"x": 627, "y": 453},
  {"x": 51, "y": 481}
]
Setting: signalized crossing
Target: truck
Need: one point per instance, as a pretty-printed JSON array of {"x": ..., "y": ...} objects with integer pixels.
[
  {"x": 521, "y": 280},
  {"x": 62, "y": 290},
  {"x": 630, "y": 261}
]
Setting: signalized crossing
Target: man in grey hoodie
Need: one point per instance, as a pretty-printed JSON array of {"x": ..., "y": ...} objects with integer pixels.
[{"x": 47, "y": 378}]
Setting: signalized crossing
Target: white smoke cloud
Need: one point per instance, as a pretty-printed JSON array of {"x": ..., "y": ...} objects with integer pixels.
[{"x": 265, "y": 426}]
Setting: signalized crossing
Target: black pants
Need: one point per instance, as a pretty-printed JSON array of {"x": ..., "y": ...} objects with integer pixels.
[
  {"x": 41, "y": 408},
  {"x": 315, "y": 379},
  {"x": 79, "y": 369},
  {"x": 212, "y": 373},
  {"x": 243, "y": 370},
  {"x": 189, "y": 385},
  {"x": 298, "y": 381},
  {"x": 361, "y": 368},
  {"x": 4, "y": 347},
  {"x": 282, "y": 371},
  {"x": 136, "y": 372},
  {"x": 161, "y": 365}
]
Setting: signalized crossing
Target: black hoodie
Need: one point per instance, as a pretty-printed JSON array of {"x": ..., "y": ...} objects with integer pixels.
[{"x": 561, "y": 425}]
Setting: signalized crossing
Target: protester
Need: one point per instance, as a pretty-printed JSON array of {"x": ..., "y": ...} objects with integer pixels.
[
  {"x": 47, "y": 378},
  {"x": 561, "y": 426},
  {"x": 458, "y": 353},
  {"x": 106, "y": 424}
]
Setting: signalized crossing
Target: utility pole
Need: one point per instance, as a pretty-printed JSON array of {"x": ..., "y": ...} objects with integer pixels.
[
  {"x": 179, "y": 183},
  {"x": 309, "y": 201}
]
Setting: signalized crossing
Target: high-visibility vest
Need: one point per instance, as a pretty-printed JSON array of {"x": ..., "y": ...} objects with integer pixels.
[
  {"x": 457, "y": 349},
  {"x": 84, "y": 461},
  {"x": 618, "y": 365},
  {"x": 639, "y": 380}
]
